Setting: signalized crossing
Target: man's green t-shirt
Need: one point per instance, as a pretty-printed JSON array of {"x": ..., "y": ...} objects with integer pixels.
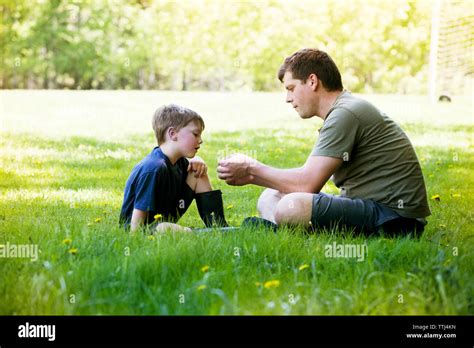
[{"x": 379, "y": 161}]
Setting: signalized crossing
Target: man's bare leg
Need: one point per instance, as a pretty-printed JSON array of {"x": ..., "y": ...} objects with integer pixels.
[
  {"x": 295, "y": 209},
  {"x": 267, "y": 203}
]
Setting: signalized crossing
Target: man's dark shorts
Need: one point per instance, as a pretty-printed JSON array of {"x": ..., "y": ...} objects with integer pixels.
[{"x": 361, "y": 215}]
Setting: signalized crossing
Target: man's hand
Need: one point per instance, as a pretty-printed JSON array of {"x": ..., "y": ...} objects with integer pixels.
[
  {"x": 197, "y": 166},
  {"x": 234, "y": 169},
  {"x": 241, "y": 181},
  {"x": 168, "y": 226}
]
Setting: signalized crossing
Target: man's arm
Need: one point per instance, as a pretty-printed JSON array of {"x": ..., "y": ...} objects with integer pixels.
[{"x": 309, "y": 178}]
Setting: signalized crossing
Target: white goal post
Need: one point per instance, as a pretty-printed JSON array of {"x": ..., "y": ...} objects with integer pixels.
[{"x": 451, "y": 66}]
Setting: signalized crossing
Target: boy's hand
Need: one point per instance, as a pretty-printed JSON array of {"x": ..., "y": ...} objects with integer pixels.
[
  {"x": 197, "y": 166},
  {"x": 168, "y": 226}
]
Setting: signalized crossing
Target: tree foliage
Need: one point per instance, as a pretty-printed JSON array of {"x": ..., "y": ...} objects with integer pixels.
[{"x": 379, "y": 46}]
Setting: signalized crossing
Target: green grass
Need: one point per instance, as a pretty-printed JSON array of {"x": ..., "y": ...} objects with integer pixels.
[{"x": 62, "y": 177}]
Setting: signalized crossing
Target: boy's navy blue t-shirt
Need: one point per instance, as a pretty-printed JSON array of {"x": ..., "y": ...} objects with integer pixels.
[{"x": 157, "y": 187}]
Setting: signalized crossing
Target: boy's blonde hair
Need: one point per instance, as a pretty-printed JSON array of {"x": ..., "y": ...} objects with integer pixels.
[{"x": 175, "y": 116}]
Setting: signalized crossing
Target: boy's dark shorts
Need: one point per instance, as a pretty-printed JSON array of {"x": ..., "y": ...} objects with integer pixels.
[
  {"x": 186, "y": 198},
  {"x": 180, "y": 207},
  {"x": 361, "y": 215}
]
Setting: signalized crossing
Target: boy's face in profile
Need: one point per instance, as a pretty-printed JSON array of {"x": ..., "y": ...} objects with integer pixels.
[{"x": 188, "y": 139}]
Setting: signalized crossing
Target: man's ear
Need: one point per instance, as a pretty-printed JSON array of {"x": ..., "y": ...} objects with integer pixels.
[
  {"x": 313, "y": 80},
  {"x": 172, "y": 133}
]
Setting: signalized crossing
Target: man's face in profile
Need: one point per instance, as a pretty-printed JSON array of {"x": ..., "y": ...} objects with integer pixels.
[{"x": 300, "y": 95}]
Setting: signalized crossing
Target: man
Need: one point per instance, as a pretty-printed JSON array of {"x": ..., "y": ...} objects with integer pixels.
[{"x": 367, "y": 154}]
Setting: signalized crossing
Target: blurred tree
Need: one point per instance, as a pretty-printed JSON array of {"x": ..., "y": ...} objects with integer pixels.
[{"x": 380, "y": 46}]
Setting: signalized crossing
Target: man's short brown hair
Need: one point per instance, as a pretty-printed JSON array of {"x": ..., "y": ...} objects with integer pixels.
[
  {"x": 309, "y": 61},
  {"x": 175, "y": 116}
]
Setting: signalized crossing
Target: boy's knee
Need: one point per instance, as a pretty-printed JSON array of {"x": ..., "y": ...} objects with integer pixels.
[{"x": 193, "y": 182}]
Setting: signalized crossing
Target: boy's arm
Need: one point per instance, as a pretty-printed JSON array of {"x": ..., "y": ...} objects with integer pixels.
[
  {"x": 197, "y": 166},
  {"x": 138, "y": 218}
]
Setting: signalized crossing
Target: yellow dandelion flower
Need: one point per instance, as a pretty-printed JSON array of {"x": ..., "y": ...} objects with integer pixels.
[
  {"x": 271, "y": 284},
  {"x": 151, "y": 237},
  {"x": 98, "y": 220},
  {"x": 158, "y": 217},
  {"x": 436, "y": 198},
  {"x": 303, "y": 267},
  {"x": 201, "y": 287},
  {"x": 73, "y": 251},
  {"x": 205, "y": 269},
  {"x": 230, "y": 206},
  {"x": 456, "y": 195},
  {"x": 67, "y": 241}
]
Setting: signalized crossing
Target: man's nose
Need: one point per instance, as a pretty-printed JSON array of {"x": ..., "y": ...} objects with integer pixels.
[{"x": 289, "y": 98}]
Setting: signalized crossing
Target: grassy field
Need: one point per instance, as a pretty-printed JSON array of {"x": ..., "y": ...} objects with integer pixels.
[{"x": 64, "y": 160}]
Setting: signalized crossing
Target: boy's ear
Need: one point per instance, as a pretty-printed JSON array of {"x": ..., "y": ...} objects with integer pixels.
[{"x": 172, "y": 133}]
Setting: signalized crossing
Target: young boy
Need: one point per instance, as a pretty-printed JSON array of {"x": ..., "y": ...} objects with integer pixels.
[{"x": 163, "y": 185}]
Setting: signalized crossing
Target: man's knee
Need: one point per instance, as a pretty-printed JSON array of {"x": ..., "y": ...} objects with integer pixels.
[
  {"x": 294, "y": 209},
  {"x": 267, "y": 198}
]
